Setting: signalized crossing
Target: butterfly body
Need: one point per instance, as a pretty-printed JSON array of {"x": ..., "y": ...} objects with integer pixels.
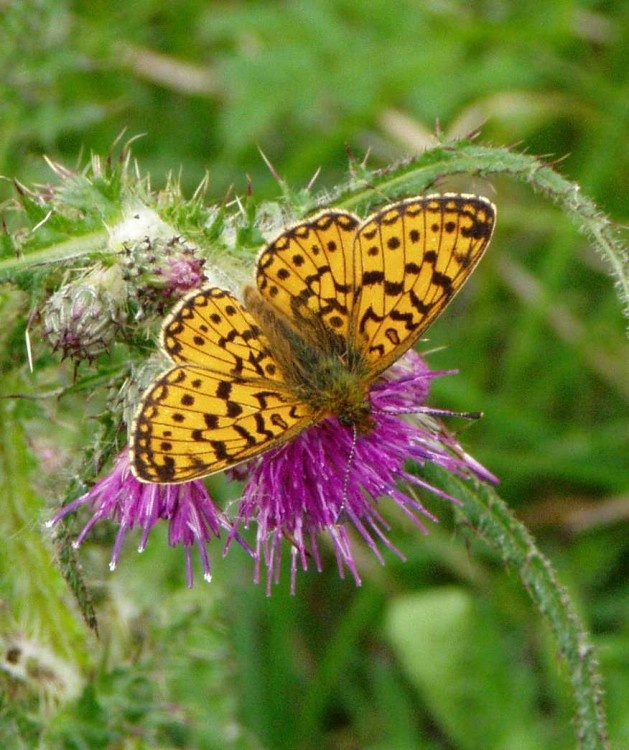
[
  {"x": 321, "y": 366},
  {"x": 336, "y": 302}
]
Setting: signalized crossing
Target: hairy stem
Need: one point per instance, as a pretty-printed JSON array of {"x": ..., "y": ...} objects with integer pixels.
[
  {"x": 419, "y": 174},
  {"x": 492, "y": 519}
]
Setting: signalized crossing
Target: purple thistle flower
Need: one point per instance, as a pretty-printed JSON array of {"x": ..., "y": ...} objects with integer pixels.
[
  {"x": 182, "y": 274},
  {"x": 192, "y": 516},
  {"x": 326, "y": 477}
]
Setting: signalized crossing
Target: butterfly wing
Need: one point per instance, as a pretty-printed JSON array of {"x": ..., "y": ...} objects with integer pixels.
[
  {"x": 307, "y": 272},
  {"x": 223, "y": 403},
  {"x": 192, "y": 422},
  {"x": 410, "y": 260},
  {"x": 210, "y": 327}
]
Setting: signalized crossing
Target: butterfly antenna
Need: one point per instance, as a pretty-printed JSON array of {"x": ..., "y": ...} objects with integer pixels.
[
  {"x": 348, "y": 469},
  {"x": 472, "y": 415}
]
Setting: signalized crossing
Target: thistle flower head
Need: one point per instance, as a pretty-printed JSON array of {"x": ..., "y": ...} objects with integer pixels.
[
  {"x": 328, "y": 478},
  {"x": 193, "y": 518}
]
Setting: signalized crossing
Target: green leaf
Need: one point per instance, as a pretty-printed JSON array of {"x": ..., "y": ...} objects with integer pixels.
[{"x": 459, "y": 661}]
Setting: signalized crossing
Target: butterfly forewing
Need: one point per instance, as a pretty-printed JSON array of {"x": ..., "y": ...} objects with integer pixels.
[
  {"x": 308, "y": 271},
  {"x": 410, "y": 260}
]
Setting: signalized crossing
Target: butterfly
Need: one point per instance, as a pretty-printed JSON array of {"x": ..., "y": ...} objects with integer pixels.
[{"x": 337, "y": 300}]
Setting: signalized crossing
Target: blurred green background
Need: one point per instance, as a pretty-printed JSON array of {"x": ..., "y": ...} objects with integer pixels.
[{"x": 444, "y": 650}]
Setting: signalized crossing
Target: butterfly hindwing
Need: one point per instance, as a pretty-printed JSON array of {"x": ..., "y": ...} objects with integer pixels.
[
  {"x": 192, "y": 422},
  {"x": 410, "y": 260}
]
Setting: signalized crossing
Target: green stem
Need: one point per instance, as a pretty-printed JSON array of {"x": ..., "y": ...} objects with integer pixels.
[
  {"x": 496, "y": 524},
  {"x": 60, "y": 252}
]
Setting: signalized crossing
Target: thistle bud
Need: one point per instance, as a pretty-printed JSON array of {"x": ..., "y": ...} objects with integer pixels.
[
  {"x": 158, "y": 271},
  {"x": 82, "y": 317}
]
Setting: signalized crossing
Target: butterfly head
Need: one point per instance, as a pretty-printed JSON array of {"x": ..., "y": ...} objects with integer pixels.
[{"x": 359, "y": 417}]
